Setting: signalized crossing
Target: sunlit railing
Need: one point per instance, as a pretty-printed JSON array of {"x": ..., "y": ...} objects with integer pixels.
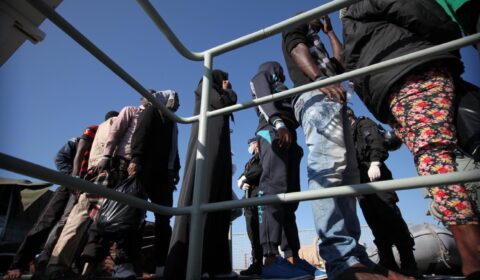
[{"x": 199, "y": 207}]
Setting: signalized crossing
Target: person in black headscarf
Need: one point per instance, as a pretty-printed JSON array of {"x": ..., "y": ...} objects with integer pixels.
[{"x": 218, "y": 187}]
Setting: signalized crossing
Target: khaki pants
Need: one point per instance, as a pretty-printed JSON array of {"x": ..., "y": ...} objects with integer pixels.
[{"x": 76, "y": 227}]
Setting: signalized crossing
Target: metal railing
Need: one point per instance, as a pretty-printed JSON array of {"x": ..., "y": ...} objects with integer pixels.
[{"x": 199, "y": 207}]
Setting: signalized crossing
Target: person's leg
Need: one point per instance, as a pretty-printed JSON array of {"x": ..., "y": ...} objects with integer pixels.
[
  {"x": 41, "y": 260},
  {"x": 273, "y": 180},
  {"x": 126, "y": 252},
  {"x": 422, "y": 107},
  {"x": 161, "y": 193},
  {"x": 326, "y": 164},
  {"x": 251, "y": 222},
  {"x": 94, "y": 252},
  {"x": 71, "y": 236},
  {"x": 466, "y": 163},
  {"x": 374, "y": 211},
  {"x": 290, "y": 241},
  {"x": 37, "y": 235}
]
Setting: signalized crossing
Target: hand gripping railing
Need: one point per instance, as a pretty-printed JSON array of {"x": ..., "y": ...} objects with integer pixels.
[{"x": 198, "y": 207}]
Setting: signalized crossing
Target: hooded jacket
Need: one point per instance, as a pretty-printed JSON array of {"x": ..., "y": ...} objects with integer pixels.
[
  {"x": 266, "y": 82},
  {"x": 378, "y": 30}
]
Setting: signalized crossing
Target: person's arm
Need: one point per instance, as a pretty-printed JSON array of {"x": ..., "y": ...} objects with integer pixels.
[
  {"x": 82, "y": 147},
  {"x": 375, "y": 150},
  {"x": 65, "y": 156},
  {"x": 337, "y": 46},
  {"x": 221, "y": 98},
  {"x": 253, "y": 174},
  {"x": 260, "y": 86},
  {"x": 141, "y": 140},
  {"x": 296, "y": 45}
]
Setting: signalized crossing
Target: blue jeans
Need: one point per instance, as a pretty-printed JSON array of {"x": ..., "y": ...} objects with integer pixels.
[{"x": 331, "y": 162}]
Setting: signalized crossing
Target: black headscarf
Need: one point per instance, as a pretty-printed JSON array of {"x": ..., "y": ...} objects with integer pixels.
[{"x": 218, "y": 76}]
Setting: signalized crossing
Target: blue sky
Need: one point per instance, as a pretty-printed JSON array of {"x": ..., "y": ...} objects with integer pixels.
[{"x": 51, "y": 91}]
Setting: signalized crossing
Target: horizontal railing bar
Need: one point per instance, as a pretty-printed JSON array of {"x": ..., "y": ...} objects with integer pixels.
[
  {"x": 244, "y": 40},
  {"x": 33, "y": 170},
  {"x": 83, "y": 41},
  {"x": 358, "y": 189},
  {"x": 452, "y": 45}
]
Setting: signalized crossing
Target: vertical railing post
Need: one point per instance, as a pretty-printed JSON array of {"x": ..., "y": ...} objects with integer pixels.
[{"x": 195, "y": 249}]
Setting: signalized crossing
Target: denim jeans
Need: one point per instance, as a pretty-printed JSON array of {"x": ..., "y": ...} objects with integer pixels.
[{"x": 331, "y": 162}]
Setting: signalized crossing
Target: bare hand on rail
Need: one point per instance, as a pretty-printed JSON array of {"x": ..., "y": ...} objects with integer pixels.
[{"x": 335, "y": 92}]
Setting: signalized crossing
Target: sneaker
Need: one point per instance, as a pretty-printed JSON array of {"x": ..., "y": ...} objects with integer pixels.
[
  {"x": 312, "y": 270},
  {"x": 320, "y": 274},
  {"x": 282, "y": 269},
  {"x": 303, "y": 264},
  {"x": 255, "y": 269}
]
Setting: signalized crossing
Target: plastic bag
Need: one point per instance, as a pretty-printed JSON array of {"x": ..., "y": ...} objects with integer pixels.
[
  {"x": 116, "y": 216},
  {"x": 467, "y": 112}
]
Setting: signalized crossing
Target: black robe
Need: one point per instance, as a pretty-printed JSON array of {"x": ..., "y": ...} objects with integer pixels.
[{"x": 218, "y": 172}]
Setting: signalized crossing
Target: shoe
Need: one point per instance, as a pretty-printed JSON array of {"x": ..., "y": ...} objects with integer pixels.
[
  {"x": 320, "y": 274},
  {"x": 255, "y": 269},
  {"x": 312, "y": 270},
  {"x": 282, "y": 269},
  {"x": 229, "y": 275},
  {"x": 303, "y": 264}
]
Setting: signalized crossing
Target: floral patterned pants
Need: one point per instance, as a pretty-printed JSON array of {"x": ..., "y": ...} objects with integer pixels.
[{"x": 422, "y": 110}]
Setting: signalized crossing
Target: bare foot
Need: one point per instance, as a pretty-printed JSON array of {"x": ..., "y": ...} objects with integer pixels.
[
  {"x": 360, "y": 272},
  {"x": 392, "y": 275},
  {"x": 13, "y": 274}
]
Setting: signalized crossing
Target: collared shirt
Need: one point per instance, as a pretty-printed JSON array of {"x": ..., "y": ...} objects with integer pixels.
[{"x": 119, "y": 139}]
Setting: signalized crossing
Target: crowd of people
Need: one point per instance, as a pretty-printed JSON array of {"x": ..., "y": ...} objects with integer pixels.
[{"x": 136, "y": 151}]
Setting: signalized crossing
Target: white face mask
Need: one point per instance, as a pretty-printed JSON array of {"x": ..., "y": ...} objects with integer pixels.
[{"x": 251, "y": 149}]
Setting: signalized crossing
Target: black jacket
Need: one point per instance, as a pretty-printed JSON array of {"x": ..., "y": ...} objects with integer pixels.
[
  {"x": 378, "y": 30},
  {"x": 151, "y": 145},
  {"x": 253, "y": 171},
  {"x": 267, "y": 82},
  {"x": 65, "y": 156},
  {"x": 369, "y": 142}
]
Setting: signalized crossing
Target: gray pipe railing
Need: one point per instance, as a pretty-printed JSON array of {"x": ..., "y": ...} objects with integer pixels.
[
  {"x": 32, "y": 170},
  {"x": 244, "y": 40}
]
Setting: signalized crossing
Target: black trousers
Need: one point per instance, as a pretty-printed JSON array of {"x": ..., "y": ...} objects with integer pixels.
[
  {"x": 281, "y": 174},
  {"x": 98, "y": 245},
  {"x": 160, "y": 193},
  {"x": 384, "y": 217},
  {"x": 39, "y": 233},
  {"x": 251, "y": 221}
]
